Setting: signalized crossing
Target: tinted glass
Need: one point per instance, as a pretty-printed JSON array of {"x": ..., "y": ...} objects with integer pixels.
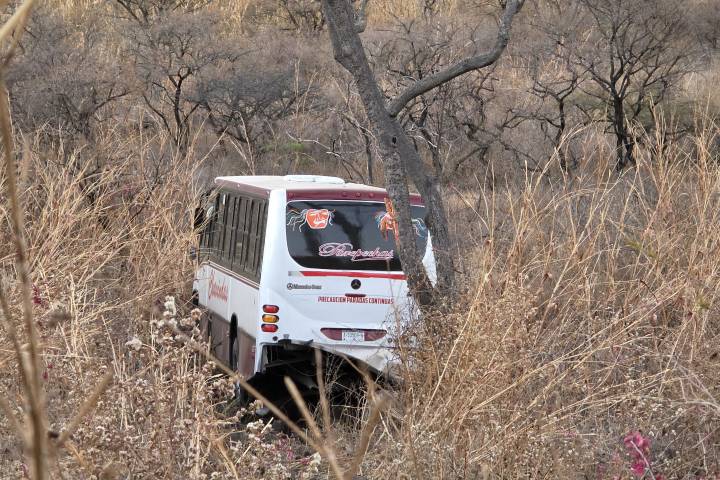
[
  {"x": 347, "y": 235},
  {"x": 249, "y": 216},
  {"x": 241, "y": 234},
  {"x": 218, "y": 225}
]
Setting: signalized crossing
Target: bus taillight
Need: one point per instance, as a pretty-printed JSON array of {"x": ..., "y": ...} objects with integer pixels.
[
  {"x": 332, "y": 333},
  {"x": 269, "y": 328},
  {"x": 270, "y": 318},
  {"x": 271, "y": 308},
  {"x": 372, "y": 335}
]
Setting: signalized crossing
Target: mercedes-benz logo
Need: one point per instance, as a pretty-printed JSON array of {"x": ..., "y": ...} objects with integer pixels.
[{"x": 355, "y": 284}]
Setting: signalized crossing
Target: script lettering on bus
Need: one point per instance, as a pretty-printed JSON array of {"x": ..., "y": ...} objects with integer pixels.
[
  {"x": 335, "y": 249},
  {"x": 217, "y": 290}
]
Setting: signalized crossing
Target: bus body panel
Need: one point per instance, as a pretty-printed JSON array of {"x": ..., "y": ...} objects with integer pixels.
[
  {"x": 309, "y": 299},
  {"x": 229, "y": 297}
]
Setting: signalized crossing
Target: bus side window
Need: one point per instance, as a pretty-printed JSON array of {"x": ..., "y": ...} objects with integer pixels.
[
  {"x": 257, "y": 237},
  {"x": 241, "y": 235},
  {"x": 228, "y": 231},
  {"x": 260, "y": 237},
  {"x": 219, "y": 230},
  {"x": 202, "y": 224},
  {"x": 213, "y": 234},
  {"x": 252, "y": 237},
  {"x": 246, "y": 233},
  {"x": 206, "y": 230},
  {"x": 209, "y": 205},
  {"x": 233, "y": 229}
]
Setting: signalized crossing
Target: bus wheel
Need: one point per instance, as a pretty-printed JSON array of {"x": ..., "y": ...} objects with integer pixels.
[
  {"x": 241, "y": 396},
  {"x": 232, "y": 345}
]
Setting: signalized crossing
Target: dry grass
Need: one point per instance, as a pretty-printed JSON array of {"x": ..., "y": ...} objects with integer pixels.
[{"x": 590, "y": 312}]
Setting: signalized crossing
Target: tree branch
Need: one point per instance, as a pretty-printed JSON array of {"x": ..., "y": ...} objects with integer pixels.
[{"x": 464, "y": 66}]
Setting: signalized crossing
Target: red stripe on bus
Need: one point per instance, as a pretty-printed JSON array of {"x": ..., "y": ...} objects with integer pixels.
[
  {"x": 376, "y": 195},
  {"x": 392, "y": 276}
]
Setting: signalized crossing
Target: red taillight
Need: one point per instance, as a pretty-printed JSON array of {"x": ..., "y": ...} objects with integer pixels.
[
  {"x": 372, "y": 335},
  {"x": 368, "y": 335},
  {"x": 269, "y": 328},
  {"x": 271, "y": 308},
  {"x": 332, "y": 333}
]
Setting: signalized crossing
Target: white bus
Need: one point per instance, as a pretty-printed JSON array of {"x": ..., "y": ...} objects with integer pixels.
[{"x": 296, "y": 263}]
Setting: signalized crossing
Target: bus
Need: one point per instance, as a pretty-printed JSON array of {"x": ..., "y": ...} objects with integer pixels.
[{"x": 292, "y": 264}]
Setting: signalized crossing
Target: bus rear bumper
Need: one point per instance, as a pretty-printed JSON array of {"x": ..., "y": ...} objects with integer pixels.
[{"x": 380, "y": 359}]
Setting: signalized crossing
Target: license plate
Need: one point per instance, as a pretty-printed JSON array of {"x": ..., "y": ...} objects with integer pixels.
[{"x": 353, "y": 337}]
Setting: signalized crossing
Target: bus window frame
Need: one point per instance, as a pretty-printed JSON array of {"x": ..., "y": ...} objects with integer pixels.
[{"x": 236, "y": 238}]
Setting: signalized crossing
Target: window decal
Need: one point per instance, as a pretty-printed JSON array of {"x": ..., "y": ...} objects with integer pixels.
[
  {"x": 352, "y": 238},
  {"x": 419, "y": 227},
  {"x": 317, "y": 219},
  {"x": 334, "y": 249},
  {"x": 217, "y": 289},
  {"x": 386, "y": 222}
]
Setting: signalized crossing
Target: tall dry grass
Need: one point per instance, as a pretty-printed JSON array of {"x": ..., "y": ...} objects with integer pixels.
[
  {"x": 590, "y": 313},
  {"x": 589, "y": 320},
  {"x": 591, "y": 317},
  {"x": 127, "y": 392},
  {"x": 108, "y": 254},
  {"x": 106, "y": 242}
]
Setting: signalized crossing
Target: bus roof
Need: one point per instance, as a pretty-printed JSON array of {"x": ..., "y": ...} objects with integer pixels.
[{"x": 306, "y": 187}]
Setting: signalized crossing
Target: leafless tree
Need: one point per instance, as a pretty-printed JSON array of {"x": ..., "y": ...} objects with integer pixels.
[
  {"x": 302, "y": 14},
  {"x": 350, "y": 140},
  {"x": 62, "y": 82},
  {"x": 633, "y": 53},
  {"x": 367, "y": 147},
  {"x": 243, "y": 99},
  {"x": 449, "y": 123},
  {"x": 146, "y": 12},
  {"x": 705, "y": 24},
  {"x": 555, "y": 86},
  {"x": 170, "y": 55},
  {"x": 400, "y": 159}
]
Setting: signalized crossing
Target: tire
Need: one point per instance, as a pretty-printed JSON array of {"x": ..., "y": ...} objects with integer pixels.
[{"x": 232, "y": 344}]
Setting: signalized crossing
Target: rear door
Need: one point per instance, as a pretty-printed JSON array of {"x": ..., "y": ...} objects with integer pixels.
[{"x": 349, "y": 273}]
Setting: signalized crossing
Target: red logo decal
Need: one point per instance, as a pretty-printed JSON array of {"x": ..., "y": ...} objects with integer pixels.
[
  {"x": 318, "y": 219},
  {"x": 217, "y": 290}
]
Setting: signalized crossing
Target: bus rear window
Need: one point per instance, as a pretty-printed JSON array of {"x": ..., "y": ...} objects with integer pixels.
[{"x": 342, "y": 235}]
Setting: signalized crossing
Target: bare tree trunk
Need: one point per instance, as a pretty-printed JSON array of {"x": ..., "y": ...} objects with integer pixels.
[
  {"x": 400, "y": 158},
  {"x": 559, "y": 136},
  {"x": 624, "y": 144},
  {"x": 392, "y": 141}
]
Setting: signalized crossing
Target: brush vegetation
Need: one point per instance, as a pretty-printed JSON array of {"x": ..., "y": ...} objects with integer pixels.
[{"x": 586, "y": 339}]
